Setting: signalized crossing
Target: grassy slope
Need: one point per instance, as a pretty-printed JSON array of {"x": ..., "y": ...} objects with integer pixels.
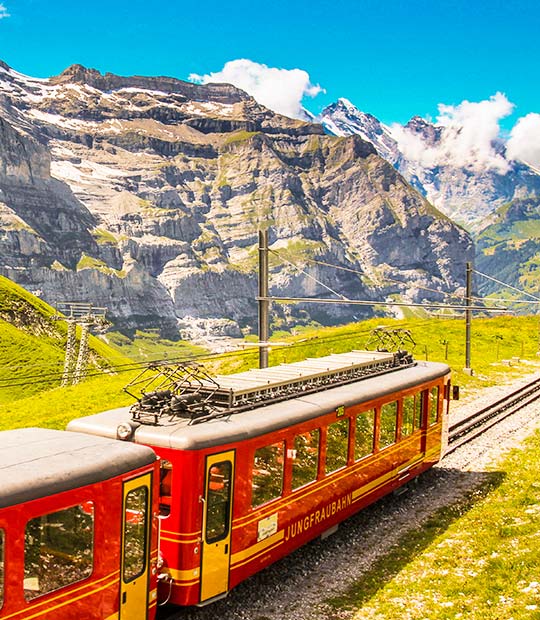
[
  {"x": 477, "y": 560},
  {"x": 440, "y": 564},
  {"x": 148, "y": 345},
  {"x": 518, "y": 336},
  {"x": 32, "y": 349},
  {"x": 509, "y": 248}
]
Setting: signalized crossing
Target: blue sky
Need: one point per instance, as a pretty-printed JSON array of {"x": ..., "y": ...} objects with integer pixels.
[{"x": 392, "y": 58}]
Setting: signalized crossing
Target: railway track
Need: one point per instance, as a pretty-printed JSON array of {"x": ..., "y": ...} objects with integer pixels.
[{"x": 477, "y": 423}]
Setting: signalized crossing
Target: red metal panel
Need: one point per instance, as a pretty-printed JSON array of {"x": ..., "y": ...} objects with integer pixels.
[
  {"x": 295, "y": 518},
  {"x": 93, "y": 598}
]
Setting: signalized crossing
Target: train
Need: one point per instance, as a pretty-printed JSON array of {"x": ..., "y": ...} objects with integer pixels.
[{"x": 206, "y": 480}]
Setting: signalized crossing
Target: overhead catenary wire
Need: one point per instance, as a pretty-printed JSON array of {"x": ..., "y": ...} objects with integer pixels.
[
  {"x": 308, "y": 275},
  {"x": 387, "y": 278},
  {"x": 134, "y": 366},
  {"x": 507, "y": 285}
]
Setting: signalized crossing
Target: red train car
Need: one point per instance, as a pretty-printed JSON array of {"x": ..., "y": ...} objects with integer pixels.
[
  {"x": 258, "y": 463},
  {"x": 77, "y": 537}
]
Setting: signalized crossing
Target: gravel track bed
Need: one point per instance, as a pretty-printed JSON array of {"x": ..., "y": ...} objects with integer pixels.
[{"x": 295, "y": 588}]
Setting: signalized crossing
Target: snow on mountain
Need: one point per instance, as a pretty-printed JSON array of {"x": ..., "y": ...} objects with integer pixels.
[
  {"x": 344, "y": 119},
  {"x": 461, "y": 168}
]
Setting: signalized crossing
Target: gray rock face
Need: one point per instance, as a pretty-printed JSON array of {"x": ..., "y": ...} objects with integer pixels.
[{"x": 145, "y": 195}]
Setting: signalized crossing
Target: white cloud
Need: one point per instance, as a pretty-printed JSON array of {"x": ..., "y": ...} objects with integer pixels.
[
  {"x": 524, "y": 141},
  {"x": 469, "y": 131},
  {"x": 3, "y": 12},
  {"x": 281, "y": 90},
  {"x": 414, "y": 148}
]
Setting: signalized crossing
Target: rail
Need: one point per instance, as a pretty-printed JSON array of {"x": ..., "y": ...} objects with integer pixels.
[{"x": 472, "y": 426}]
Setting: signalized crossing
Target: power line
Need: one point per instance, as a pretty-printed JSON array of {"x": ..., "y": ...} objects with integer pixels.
[
  {"x": 507, "y": 285},
  {"x": 307, "y": 274},
  {"x": 385, "y": 278},
  {"x": 360, "y": 302}
]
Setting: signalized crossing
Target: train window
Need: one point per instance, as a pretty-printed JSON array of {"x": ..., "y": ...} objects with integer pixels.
[
  {"x": 408, "y": 417},
  {"x": 136, "y": 509},
  {"x": 337, "y": 444},
  {"x": 305, "y": 459},
  {"x": 1, "y": 568},
  {"x": 388, "y": 424},
  {"x": 58, "y": 549},
  {"x": 165, "y": 487},
  {"x": 363, "y": 439},
  {"x": 218, "y": 501},
  {"x": 433, "y": 405},
  {"x": 267, "y": 481}
]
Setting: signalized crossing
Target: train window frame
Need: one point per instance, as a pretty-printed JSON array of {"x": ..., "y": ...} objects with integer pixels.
[
  {"x": 41, "y": 524},
  {"x": 268, "y": 475},
  {"x": 2, "y": 564},
  {"x": 294, "y": 456},
  {"x": 128, "y": 577},
  {"x": 419, "y": 411},
  {"x": 416, "y": 413},
  {"x": 224, "y": 497},
  {"x": 166, "y": 479},
  {"x": 433, "y": 405},
  {"x": 367, "y": 412},
  {"x": 382, "y": 413},
  {"x": 339, "y": 422}
]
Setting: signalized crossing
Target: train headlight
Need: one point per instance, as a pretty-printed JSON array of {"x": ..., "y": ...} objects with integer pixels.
[{"x": 124, "y": 431}]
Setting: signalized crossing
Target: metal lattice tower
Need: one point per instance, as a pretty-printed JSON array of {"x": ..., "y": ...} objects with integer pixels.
[
  {"x": 82, "y": 359},
  {"x": 71, "y": 350},
  {"x": 87, "y": 316}
]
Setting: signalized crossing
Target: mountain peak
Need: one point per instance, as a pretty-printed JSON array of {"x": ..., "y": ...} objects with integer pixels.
[
  {"x": 347, "y": 104},
  {"x": 77, "y": 73},
  {"x": 222, "y": 93}
]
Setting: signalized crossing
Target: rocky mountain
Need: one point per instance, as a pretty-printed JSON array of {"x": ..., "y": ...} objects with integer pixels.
[
  {"x": 345, "y": 119},
  {"x": 468, "y": 189},
  {"x": 510, "y": 248},
  {"x": 145, "y": 195}
]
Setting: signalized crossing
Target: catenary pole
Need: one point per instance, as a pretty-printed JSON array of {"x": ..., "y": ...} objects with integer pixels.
[
  {"x": 264, "y": 303},
  {"x": 468, "y": 318}
]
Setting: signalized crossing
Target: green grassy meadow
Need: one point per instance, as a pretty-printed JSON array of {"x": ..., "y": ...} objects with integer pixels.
[
  {"x": 478, "y": 559},
  {"x": 31, "y": 365}
]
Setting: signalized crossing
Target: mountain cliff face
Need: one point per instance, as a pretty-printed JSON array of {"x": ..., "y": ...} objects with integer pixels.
[
  {"x": 468, "y": 191},
  {"x": 145, "y": 195}
]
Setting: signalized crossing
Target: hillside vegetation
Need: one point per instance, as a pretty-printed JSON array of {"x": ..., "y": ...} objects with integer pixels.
[
  {"x": 510, "y": 247},
  {"x": 476, "y": 559},
  {"x": 32, "y": 352},
  {"x": 32, "y": 348}
]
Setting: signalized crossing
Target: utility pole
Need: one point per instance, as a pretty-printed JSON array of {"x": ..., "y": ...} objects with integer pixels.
[
  {"x": 264, "y": 330},
  {"x": 468, "y": 317}
]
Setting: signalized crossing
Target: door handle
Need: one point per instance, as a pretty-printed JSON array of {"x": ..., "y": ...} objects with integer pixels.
[
  {"x": 124, "y": 598},
  {"x": 226, "y": 549}
]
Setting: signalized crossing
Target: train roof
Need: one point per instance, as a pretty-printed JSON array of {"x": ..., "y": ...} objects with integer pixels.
[
  {"x": 179, "y": 433},
  {"x": 37, "y": 462}
]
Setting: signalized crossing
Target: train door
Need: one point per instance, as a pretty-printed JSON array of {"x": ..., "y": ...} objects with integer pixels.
[
  {"x": 217, "y": 524},
  {"x": 135, "y": 548}
]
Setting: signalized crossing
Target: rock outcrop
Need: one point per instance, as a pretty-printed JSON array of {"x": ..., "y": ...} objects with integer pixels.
[{"x": 145, "y": 195}]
